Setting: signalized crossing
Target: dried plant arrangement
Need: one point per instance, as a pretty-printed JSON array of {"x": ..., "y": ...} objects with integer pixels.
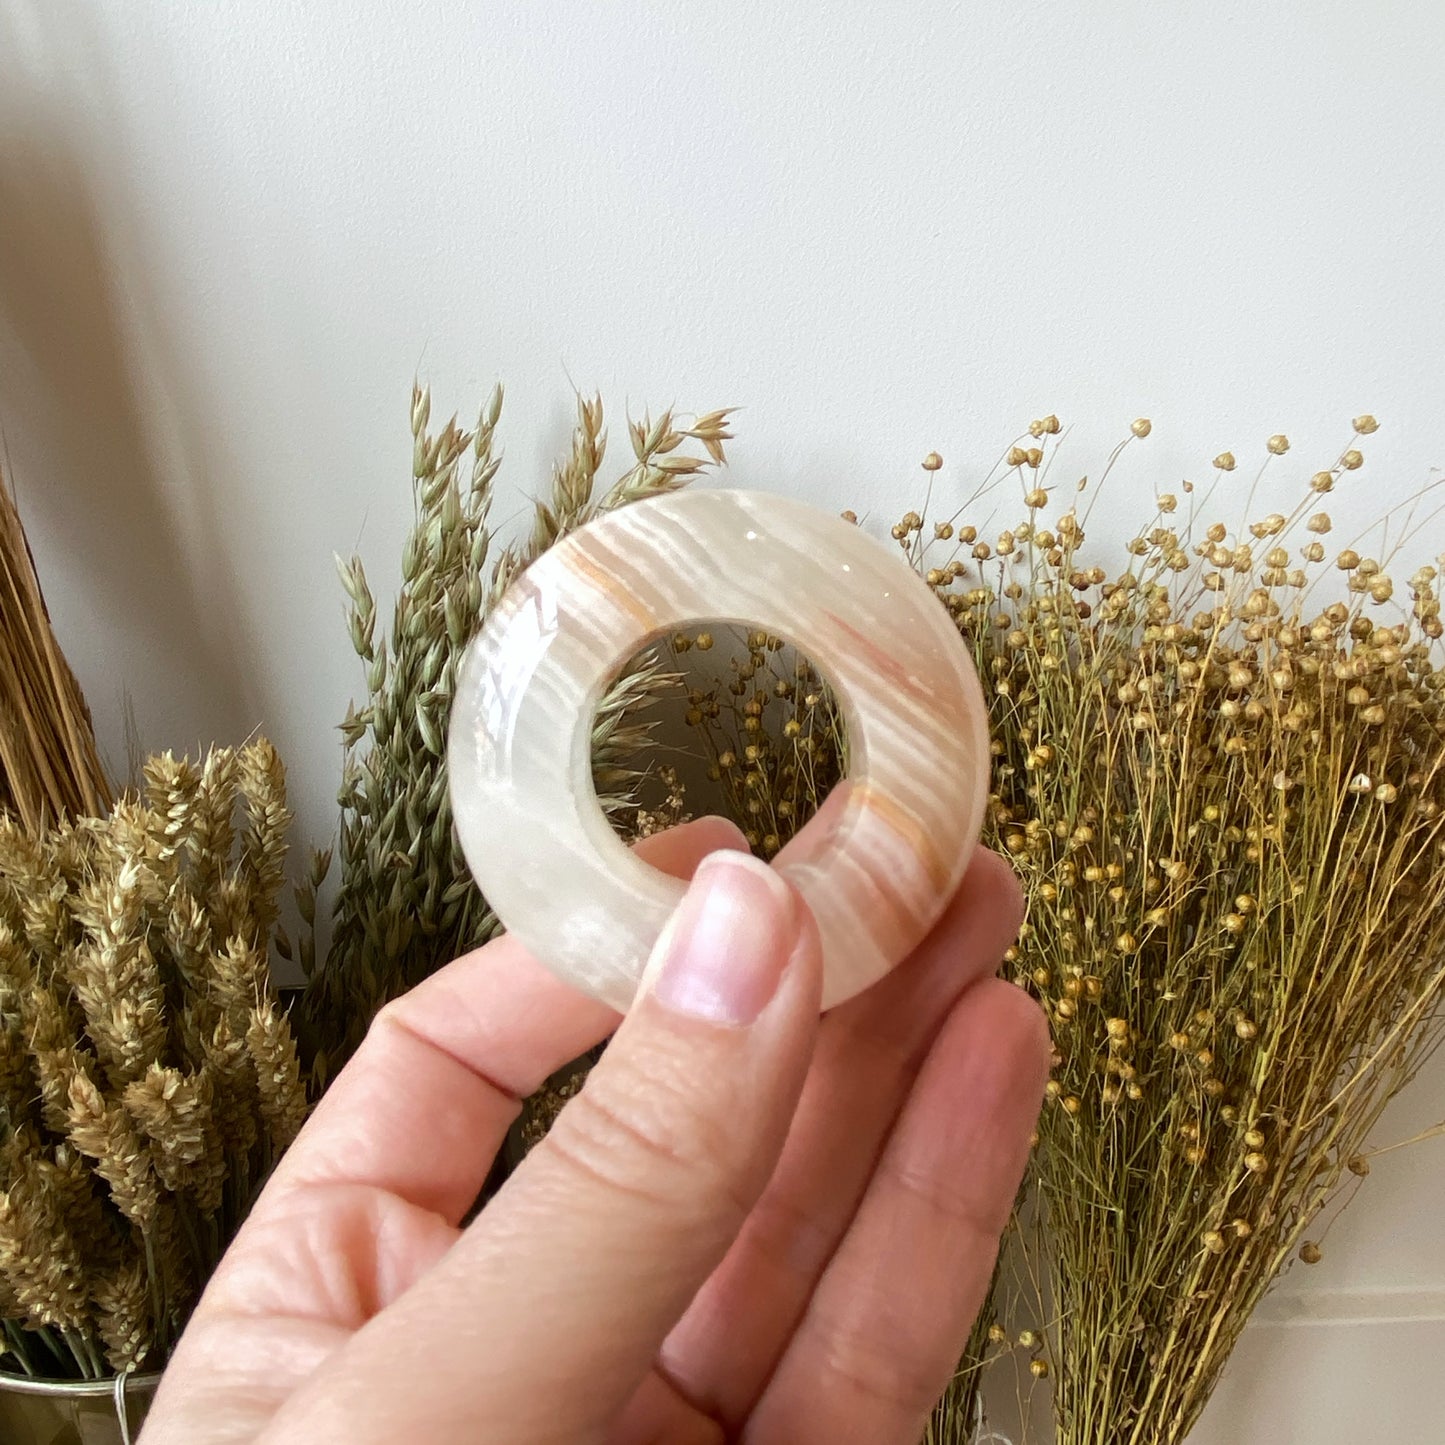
[
  {"x": 49, "y": 766},
  {"x": 148, "y": 1079},
  {"x": 1229, "y": 824},
  {"x": 405, "y": 902},
  {"x": 1219, "y": 775}
]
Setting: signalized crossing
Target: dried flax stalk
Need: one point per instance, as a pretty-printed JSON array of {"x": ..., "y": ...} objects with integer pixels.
[{"x": 1221, "y": 777}]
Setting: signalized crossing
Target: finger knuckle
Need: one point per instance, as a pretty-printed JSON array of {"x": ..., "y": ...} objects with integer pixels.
[
  {"x": 959, "y": 1210},
  {"x": 906, "y": 1374},
  {"x": 647, "y": 1143}
]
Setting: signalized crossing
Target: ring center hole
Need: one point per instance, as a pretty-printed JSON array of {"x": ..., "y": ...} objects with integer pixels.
[{"x": 723, "y": 719}]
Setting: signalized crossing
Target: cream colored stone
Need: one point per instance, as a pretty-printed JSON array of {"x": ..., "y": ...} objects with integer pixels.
[{"x": 889, "y": 847}]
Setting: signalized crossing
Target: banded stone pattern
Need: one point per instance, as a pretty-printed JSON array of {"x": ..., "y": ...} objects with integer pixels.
[{"x": 885, "y": 853}]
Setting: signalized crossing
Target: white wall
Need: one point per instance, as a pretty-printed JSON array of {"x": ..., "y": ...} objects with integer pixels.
[{"x": 231, "y": 232}]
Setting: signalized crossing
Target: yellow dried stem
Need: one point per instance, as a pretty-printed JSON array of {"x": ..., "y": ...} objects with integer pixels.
[
  {"x": 232, "y": 908},
  {"x": 212, "y": 829},
  {"x": 238, "y": 980},
  {"x": 120, "y": 1298},
  {"x": 123, "y": 1031},
  {"x": 406, "y": 903},
  {"x": 116, "y": 978},
  {"x": 65, "y": 1173},
  {"x": 171, "y": 788},
  {"x": 39, "y": 1258},
  {"x": 54, "y": 1056},
  {"x": 278, "y": 1075},
  {"x": 262, "y": 781},
  {"x": 188, "y": 938},
  {"x": 173, "y": 1111},
  {"x": 49, "y": 765},
  {"x": 176, "y": 1264},
  {"x": 1225, "y": 798},
  {"x": 104, "y": 1132},
  {"x": 236, "y": 1093}
]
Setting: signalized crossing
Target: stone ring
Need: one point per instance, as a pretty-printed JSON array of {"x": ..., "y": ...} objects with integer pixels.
[{"x": 888, "y": 849}]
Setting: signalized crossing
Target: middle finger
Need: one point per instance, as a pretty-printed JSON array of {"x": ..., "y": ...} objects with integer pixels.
[{"x": 869, "y": 1051}]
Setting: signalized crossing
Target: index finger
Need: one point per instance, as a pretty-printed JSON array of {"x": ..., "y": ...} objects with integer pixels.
[{"x": 423, "y": 1107}]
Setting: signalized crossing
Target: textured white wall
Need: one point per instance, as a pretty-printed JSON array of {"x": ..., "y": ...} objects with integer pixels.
[{"x": 231, "y": 232}]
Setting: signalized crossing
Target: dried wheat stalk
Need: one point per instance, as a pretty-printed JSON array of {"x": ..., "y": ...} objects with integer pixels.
[{"x": 147, "y": 1079}]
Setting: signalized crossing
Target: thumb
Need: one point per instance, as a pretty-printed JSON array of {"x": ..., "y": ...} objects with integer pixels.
[{"x": 586, "y": 1259}]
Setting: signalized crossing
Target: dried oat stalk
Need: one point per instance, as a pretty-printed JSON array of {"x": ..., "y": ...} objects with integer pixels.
[{"x": 405, "y": 901}]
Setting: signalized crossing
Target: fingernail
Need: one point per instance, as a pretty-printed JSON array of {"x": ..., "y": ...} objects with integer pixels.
[{"x": 723, "y": 952}]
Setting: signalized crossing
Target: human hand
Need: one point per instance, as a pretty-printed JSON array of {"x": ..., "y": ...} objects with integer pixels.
[{"x": 751, "y": 1223}]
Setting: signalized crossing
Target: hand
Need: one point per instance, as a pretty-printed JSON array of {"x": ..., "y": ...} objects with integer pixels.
[{"x": 750, "y": 1224}]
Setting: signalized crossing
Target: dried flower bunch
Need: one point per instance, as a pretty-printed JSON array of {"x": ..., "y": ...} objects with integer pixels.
[
  {"x": 49, "y": 766},
  {"x": 148, "y": 1079},
  {"x": 772, "y": 735},
  {"x": 1224, "y": 793},
  {"x": 406, "y": 903},
  {"x": 1220, "y": 779},
  {"x": 1220, "y": 783}
]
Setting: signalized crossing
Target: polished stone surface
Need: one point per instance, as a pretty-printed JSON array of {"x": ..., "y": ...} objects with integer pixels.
[{"x": 889, "y": 847}]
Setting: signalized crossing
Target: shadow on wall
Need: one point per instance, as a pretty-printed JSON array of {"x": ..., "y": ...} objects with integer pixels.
[{"x": 128, "y": 566}]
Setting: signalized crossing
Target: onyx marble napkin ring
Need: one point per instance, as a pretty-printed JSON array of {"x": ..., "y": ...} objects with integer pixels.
[{"x": 886, "y": 852}]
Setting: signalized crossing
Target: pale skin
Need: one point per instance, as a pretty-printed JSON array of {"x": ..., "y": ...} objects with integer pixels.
[{"x": 751, "y": 1224}]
